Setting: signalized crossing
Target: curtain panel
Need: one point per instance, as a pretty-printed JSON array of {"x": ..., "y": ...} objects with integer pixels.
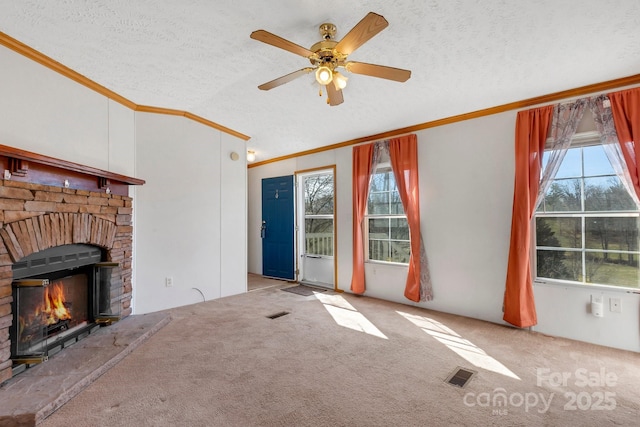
[
  {"x": 625, "y": 107},
  {"x": 532, "y": 127},
  {"x": 564, "y": 123},
  {"x": 603, "y": 118},
  {"x": 403, "y": 153},
  {"x": 362, "y": 170}
]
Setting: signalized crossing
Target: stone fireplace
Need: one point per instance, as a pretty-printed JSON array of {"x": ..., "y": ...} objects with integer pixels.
[{"x": 54, "y": 212}]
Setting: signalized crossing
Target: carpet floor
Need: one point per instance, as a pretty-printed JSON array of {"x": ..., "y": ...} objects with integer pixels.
[{"x": 344, "y": 360}]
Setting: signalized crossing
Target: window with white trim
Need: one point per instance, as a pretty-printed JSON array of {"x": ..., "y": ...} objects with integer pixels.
[
  {"x": 586, "y": 226},
  {"x": 386, "y": 223}
]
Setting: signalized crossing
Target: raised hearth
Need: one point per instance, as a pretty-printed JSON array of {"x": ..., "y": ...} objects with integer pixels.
[{"x": 30, "y": 397}]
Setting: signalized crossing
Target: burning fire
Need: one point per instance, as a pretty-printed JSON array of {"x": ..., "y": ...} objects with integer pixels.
[{"x": 53, "y": 309}]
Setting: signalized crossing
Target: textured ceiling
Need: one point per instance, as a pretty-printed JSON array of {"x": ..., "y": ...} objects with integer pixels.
[{"x": 465, "y": 55}]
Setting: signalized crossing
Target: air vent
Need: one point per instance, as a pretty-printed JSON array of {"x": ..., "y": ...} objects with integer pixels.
[
  {"x": 275, "y": 316},
  {"x": 460, "y": 377}
]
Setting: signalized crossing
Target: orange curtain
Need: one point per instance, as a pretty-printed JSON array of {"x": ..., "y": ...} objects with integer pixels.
[
  {"x": 403, "y": 153},
  {"x": 532, "y": 127},
  {"x": 362, "y": 169},
  {"x": 625, "y": 106}
]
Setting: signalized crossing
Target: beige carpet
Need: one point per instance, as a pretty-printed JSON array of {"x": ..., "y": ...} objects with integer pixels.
[{"x": 343, "y": 360}]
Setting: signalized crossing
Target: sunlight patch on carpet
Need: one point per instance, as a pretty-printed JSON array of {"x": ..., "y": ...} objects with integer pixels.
[
  {"x": 347, "y": 316},
  {"x": 462, "y": 347}
]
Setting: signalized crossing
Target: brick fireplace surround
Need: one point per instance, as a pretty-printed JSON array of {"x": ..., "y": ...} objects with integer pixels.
[{"x": 35, "y": 215}]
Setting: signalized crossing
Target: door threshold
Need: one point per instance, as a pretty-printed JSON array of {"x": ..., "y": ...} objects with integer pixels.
[{"x": 316, "y": 284}]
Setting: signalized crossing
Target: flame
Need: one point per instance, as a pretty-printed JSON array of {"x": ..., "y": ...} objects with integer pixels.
[{"x": 53, "y": 309}]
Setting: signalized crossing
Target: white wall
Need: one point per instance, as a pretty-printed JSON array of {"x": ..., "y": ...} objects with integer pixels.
[
  {"x": 466, "y": 194},
  {"x": 233, "y": 216},
  {"x": 564, "y": 311},
  {"x": 44, "y": 112},
  {"x": 192, "y": 183},
  {"x": 191, "y": 186},
  {"x": 122, "y": 138}
]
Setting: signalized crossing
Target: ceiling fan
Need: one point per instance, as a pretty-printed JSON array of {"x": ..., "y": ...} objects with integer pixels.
[{"x": 328, "y": 55}]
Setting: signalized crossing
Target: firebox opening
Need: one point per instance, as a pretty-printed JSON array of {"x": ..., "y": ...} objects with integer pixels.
[{"x": 60, "y": 295}]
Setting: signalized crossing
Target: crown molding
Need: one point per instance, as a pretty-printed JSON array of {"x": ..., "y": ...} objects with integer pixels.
[
  {"x": 42, "y": 59},
  {"x": 518, "y": 105}
]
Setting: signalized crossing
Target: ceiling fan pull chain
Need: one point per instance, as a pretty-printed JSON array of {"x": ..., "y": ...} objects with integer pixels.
[{"x": 320, "y": 91}]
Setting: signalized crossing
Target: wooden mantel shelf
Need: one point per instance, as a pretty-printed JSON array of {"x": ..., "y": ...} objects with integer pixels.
[
  {"x": 16, "y": 153},
  {"x": 21, "y": 165}
]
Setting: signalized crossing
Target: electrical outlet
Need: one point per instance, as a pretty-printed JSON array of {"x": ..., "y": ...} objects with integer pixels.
[
  {"x": 168, "y": 281},
  {"x": 615, "y": 306}
]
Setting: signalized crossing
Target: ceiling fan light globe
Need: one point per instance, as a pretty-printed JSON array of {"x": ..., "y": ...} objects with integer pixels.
[
  {"x": 324, "y": 75},
  {"x": 339, "y": 80}
]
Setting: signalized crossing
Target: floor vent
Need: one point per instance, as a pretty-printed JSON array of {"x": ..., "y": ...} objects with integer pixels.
[
  {"x": 460, "y": 377},
  {"x": 275, "y": 316}
]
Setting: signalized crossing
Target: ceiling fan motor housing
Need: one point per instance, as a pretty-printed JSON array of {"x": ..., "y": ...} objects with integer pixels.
[{"x": 324, "y": 53}]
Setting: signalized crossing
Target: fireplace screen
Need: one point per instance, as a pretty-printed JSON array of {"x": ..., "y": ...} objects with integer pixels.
[
  {"x": 108, "y": 290},
  {"x": 46, "y": 310},
  {"x": 61, "y": 295}
]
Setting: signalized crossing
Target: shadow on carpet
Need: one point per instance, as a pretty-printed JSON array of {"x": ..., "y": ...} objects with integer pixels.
[{"x": 303, "y": 290}]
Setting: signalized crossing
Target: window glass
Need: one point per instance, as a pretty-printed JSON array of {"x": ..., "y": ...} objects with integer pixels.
[
  {"x": 318, "y": 194},
  {"x": 563, "y": 265},
  {"x": 611, "y": 233},
  {"x": 587, "y": 225},
  {"x": 318, "y": 236},
  {"x": 596, "y": 161},
  {"x": 571, "y": 165},
  {"x": 318, "y": 218},
  {"x": 378, "y": 203},
  {"x": 606, "y": 193},
  {"x": 387, "y": 227},
  {"x": 559, "y": 232},
  {"x": 564, "y": 195},
  {"x": 612, "y": 269}
]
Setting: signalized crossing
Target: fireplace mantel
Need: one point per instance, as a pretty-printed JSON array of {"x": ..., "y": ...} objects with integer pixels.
[{"x": 26, "y": 166}]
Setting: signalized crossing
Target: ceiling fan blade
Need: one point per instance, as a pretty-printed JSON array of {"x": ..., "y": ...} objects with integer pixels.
[
  {"x": 368, "y": 27},
  {"x": 334, "y": 95},
  {"x": 284, "y": 79},
  {"x": 380, "y": 71},
  {"x": 277, "y": 41}
]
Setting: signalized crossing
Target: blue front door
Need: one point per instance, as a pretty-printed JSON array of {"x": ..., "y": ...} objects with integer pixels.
[{"x": 278, "y": 227}]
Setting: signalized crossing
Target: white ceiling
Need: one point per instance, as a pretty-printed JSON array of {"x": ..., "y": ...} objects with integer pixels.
[{"x": 465, "y": 55}]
